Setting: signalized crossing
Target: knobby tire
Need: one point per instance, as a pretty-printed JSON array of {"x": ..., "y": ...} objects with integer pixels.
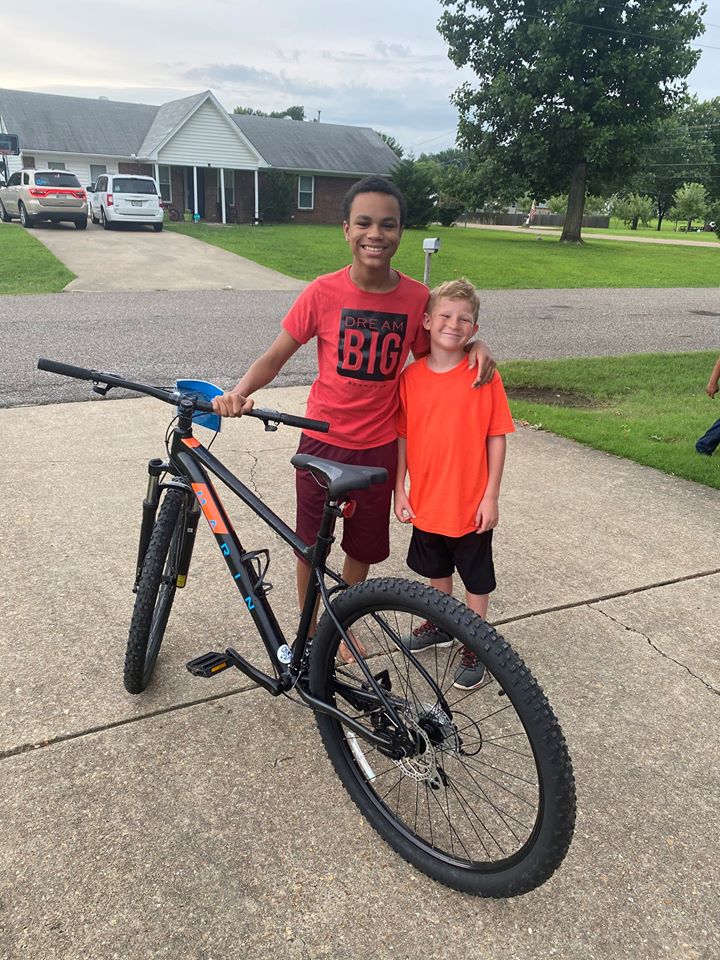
[
  {"x": 155, "y": 594},
  {"x": 487, "y": 802}
]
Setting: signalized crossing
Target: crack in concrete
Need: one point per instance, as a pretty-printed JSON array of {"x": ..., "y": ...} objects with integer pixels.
[
  {"x": 530, "y": 615},
  {"x": 655, "y": 647}
]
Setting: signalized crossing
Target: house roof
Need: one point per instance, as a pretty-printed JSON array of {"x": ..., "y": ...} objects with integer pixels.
[
  {"x": 75, "y": 124},
  {"x": 168, "y": 118},
  {"x": 110, "y": 128},
  {"x": 317, "y": 147}
]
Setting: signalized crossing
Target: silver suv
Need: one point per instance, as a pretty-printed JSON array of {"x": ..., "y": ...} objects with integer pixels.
[{"x": 33, "y": 195}]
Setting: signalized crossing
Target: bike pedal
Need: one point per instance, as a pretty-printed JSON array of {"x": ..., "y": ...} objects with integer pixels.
[{"x": 208, "y": 665}]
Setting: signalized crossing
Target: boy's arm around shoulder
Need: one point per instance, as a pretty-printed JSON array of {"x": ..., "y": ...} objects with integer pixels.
[{"x": 267, "y": 366}]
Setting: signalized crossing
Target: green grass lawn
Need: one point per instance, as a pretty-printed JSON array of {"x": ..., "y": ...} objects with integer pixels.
[
  {"x": 667, "y": 231},
  {"x": 650, "y": 408},
  {"x": 26, "y": 266},
  {"x": 490, "y": 258}
]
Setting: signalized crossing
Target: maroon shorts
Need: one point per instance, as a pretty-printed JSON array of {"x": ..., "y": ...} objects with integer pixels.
[{"x": 366, "y": 535}]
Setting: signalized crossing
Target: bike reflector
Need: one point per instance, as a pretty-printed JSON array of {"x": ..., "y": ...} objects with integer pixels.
[{"x": 204, "y": 390}]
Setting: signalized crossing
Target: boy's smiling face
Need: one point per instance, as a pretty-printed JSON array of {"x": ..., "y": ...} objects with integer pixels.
[
  {"x": 373, "y": 230},
  {"x": 451, "y": 324}
]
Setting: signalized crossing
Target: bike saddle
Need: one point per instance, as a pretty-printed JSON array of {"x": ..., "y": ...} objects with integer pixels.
[{"x": 340, "y": 478}]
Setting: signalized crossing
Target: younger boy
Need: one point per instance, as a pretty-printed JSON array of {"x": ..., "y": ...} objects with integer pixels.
[
  {"x": 452, "y": 443},
  {"x": 365, "y": 319},
  {"x": 708, "y": 442}
]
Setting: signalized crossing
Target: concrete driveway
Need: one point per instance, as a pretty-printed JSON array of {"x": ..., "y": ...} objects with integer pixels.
[
  {"x": 134, "y": 257},
  {"x": 202, "y": 821}
]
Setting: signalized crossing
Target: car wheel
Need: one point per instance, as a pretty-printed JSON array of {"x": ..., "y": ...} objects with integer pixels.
[
  {"x": 4, "y": 215},
  {"x": 92, "y": 215},
  {"x": 104, "y": 220},
  {"x": 157, "y": 227},
  {"x": 81, "y": 224},
  {"x": 25, "y": 219}
]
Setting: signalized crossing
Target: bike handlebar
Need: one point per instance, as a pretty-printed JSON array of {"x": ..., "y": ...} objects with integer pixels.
[{"x": 174, "y": 396}]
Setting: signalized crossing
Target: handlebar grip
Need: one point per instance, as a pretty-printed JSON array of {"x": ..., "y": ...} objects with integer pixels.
[
  {"x": 321, "y": 426},
  {"x": 67, "y": 370}
]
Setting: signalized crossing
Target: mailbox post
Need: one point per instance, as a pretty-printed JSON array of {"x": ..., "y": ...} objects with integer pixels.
[{"x": 431, "y": 245}]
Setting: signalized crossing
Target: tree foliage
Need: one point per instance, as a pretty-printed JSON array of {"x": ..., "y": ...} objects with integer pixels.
[
  {"x": 277, "y": 196},
  {"x": 295, "y": 112},
  {"x": 566, "y": 89},
  {"x": 418, "y": 189},
  {"x": 690, "y": 202},
  {"x": 394, "y": 144}
]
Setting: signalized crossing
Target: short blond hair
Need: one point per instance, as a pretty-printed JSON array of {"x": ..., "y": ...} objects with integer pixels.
[{"x": 460, "y": 289}]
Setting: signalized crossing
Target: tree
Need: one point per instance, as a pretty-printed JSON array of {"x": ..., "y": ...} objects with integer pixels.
[
  {"x": 418, "y": 189},
  {"x": 295, "y": 113},
  {"x": 567, "y": 88},
  {"x": 632, "y": 208},
  {"x": 394, "y": 144},
  {"x": 277, "y": 196},
  {"x": 677, "y": 150},
  {"x": 691, "y": 202}
]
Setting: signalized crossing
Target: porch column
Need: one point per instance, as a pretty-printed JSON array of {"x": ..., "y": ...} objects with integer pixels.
[
  {"x": 257, "y": 196},
  {"x": 222, "y": 193},
  {"x": 195, "y": 196}
]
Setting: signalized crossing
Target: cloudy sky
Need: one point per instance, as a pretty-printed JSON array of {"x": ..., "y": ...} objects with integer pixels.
[{"x": 378, "y": 64}]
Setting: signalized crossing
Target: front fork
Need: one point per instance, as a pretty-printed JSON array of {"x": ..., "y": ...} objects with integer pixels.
[{"x": 190, "y": 519}]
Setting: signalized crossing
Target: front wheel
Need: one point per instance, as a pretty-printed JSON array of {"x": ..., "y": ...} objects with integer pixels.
[
  {"x": 484, "y": 798},
  {"x": 156, "y": 592},
  {"x": 4, "y": 215}
]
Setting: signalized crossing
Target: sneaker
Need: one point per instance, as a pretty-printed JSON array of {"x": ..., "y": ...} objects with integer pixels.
[
  {"x": 471, "y": 673},
  {"x": 427, "y": 635}
]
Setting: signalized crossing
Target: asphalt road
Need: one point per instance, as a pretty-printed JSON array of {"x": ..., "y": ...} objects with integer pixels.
[{"x": 214, "y": 335}]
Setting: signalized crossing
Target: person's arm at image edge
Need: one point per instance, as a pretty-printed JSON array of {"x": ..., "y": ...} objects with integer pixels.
[{"x": 712, "y": 388}]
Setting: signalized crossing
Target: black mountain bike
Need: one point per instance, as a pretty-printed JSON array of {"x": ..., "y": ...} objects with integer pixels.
[{"x": 473, "y": 787}]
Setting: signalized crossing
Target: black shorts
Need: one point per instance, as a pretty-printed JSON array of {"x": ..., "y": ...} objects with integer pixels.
[
  {"x": 435, "y": 556},
  {"x": 366, "y": 535}
]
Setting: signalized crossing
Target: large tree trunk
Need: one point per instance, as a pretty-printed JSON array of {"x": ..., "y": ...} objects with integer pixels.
[
  {"x": 661, "y": 217},
  {"x": 576, "y": 205}
]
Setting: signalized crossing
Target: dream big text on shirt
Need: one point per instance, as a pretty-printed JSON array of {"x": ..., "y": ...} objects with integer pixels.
[{"x": 363, "y": 341}]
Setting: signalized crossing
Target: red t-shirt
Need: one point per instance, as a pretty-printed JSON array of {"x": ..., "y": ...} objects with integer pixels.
[
  {"x": 363, "y": 340},
  {"x": 447, "y": 422}
]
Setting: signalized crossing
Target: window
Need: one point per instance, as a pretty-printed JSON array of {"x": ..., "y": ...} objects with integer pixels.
[
  {"x": 14, "y": 180},
  {"x": 164, "y": 183},
  {"x": 56, "y": 166},
  {"x": 229, "y": 178},
  {"x": 133, "y": 185},
  {"x": 306, "y": 193},
  {"x": 49, "y": 179},
  {"x": 96, "y": 170}
]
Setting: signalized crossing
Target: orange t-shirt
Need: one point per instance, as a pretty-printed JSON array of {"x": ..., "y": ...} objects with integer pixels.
[
  {"x": 447, "y": 423},
  {"x": 363, "y": 340}
]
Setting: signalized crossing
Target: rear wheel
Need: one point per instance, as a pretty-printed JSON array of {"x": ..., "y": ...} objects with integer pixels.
[
  {"x": 81, "y": 224},
  {"x": 25, "y": 219},
  {"x": 484, "y": 798},
  {"x": 156, "y": 592},
  {"x": 157, "y": 227}
]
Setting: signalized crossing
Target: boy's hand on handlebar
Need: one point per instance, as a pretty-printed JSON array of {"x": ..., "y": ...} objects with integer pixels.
[
  {"x": 232, "y": 404},
  {"x": 479, "y": 353}
]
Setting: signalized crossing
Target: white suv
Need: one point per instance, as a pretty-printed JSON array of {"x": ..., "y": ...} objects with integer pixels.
[
  {"x": 125, "y": 198},
  {"x": 54, "y": 195}
]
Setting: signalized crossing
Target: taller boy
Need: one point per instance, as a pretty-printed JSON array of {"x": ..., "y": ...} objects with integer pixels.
[{"x": 366, "y": 318}]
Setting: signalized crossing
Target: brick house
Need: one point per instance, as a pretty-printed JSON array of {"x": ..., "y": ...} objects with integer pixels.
[{"x": 205, "y": 160}]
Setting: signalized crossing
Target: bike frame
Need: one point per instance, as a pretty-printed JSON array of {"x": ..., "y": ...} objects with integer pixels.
[{"x": 194, "y": 463}]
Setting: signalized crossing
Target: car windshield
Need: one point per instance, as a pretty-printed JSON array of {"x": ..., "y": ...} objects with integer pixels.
[
  {"x": 133, "y": 185},
  {"x": 56, "y": 178}
]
